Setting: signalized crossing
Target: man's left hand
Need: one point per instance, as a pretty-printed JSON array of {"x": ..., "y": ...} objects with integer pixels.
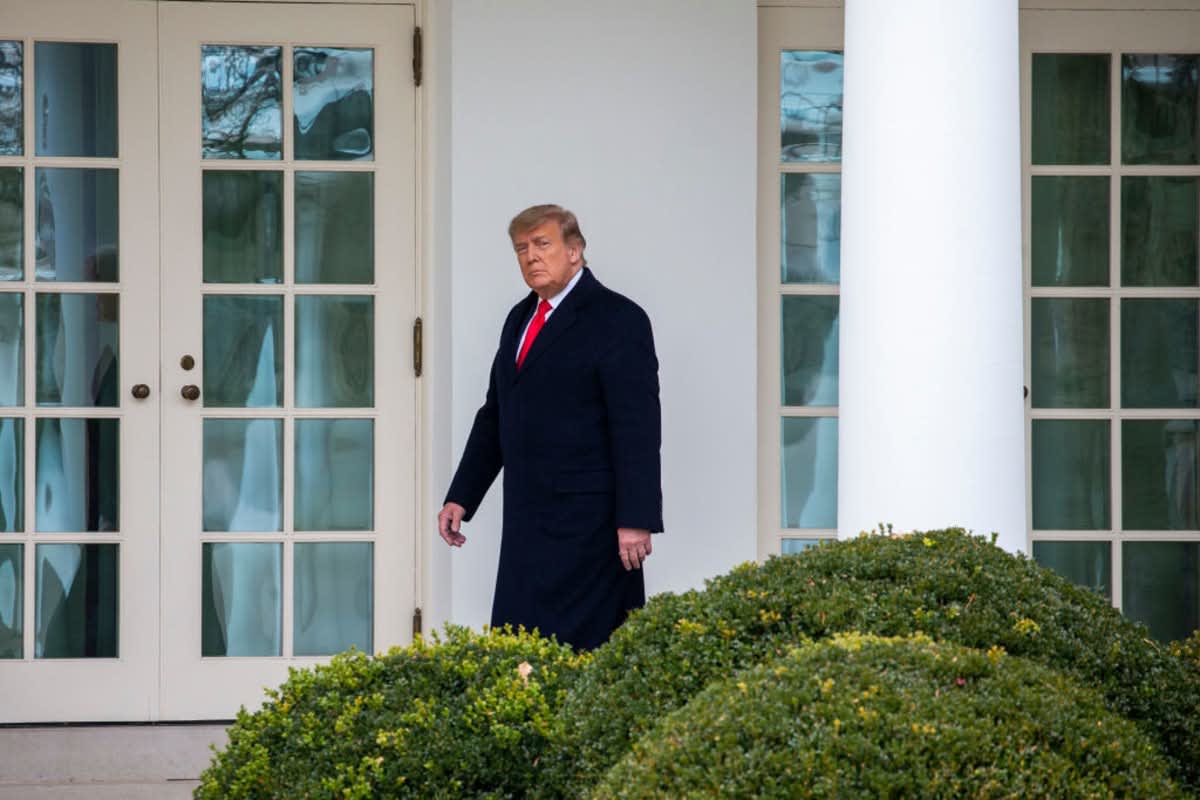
[{"x": 634, "y": 546}]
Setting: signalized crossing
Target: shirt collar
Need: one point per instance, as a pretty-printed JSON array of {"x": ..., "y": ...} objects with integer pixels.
[{"x": 558, "y": 298}]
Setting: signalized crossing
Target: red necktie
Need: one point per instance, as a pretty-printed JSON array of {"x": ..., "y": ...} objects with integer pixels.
[{"x": 535, "y": 325}]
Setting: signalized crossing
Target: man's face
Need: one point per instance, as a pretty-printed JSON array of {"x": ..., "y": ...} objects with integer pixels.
[{"x": 547, "y": 262}]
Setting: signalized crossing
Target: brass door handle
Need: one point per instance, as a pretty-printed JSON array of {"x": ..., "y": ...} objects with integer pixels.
[
  {"x": 140, "y": 391},
  {"x": 190, "y": 392}
]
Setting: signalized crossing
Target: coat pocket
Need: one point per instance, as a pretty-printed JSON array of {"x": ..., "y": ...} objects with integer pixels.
[{"x": 591, "y": 481}]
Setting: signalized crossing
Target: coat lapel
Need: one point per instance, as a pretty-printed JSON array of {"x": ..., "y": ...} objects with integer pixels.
[
  {"x": 563, "y": 318},
  {"x": 512, "y": 334}
]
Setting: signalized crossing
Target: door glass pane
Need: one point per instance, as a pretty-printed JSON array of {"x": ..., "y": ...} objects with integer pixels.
[
  {"x": 335, "y": 477},
  {"x": 810, "y": 105},
  {"x": 1069, "y": 230},
  {"x": 809, "y": 472},
  {"x": 12, "y": 87},
  {"x": 243, "y": 226},
  {"x": 77, "y": 349},
  {"x": 1160, "y": 222},
  {"x": 1159, "y": 474},
  {"x": 335, "y": 227},
  {"x": 76, "y": 233},
  {"x": 333, "y": 598},
  {"x": 333, "y": 101},
  {"x": 811, "y": 224},
  {"x": 791, "y": 546},
  {"x": 810, "y": 350},
  {"x": 1158, "y": 586},
  {"x": 241, "y": 599},
  {"x": 12, "y": 600},
  {"x": 1088, "y": 564},
  {"x": 243, "y": 475},
  {"x": 12, "y": 475},
  {"x": 1070, "y": 108},
  {"x": 12, "y": 350},
  {"x": 243, "y": 351},
  {"x": 76, "y": 614},
  {"x": 335, "y": 351},
  {"x": 1071, "y": 476},
  {"x": 241, "y": 92},
  {"x": 77, "y": 474},
  {"x": 12, "y": 223},
  {"x": 1160, "y": 113},
  {"x": 1069, "y": 339},
  {"x": 1158, "y": 353},
  {"x": 75, "y": 97}
]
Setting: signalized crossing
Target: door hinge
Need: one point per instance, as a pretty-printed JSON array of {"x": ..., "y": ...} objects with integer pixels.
[
  {"x": 416, "y": 622},
  {"x": 418, "y": 347},
  {"x": 418, "y": 55}
]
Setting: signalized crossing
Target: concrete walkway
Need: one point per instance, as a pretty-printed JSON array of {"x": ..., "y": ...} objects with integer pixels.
[{"x": 105, "y": 762}]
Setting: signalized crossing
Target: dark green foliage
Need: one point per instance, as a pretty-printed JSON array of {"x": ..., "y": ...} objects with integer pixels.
[
  {"x": 869, "y": 717},
  {"x": 465, "y": 717},
  {"x": 950, "y": 585}
]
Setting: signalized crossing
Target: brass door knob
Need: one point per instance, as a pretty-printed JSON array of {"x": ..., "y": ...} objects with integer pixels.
[
  {"x": 140, "y": 391},
  {"x": 190, "y": 392}
]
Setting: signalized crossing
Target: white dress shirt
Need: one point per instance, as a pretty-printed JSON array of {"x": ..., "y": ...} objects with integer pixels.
[{"x": 553, "y": 301}]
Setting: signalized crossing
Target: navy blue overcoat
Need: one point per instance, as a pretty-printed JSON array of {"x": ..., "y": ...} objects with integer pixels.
[{"x": 577, "y": 430}]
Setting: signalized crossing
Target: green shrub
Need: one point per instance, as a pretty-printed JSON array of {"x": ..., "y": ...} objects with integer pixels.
[
  {"x": 950, "y": 585},
  {"x": 467, "y": 716},
  {"x": 870, "y": 717}
]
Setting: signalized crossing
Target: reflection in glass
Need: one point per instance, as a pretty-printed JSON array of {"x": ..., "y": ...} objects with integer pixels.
[
  {"x": 1159, "y": 353},
  {"x": 243, "y": 226},
  {"x": 811, "y": 227},
  {"x": 1160, "y": 109},
  {"x": 1158, "y": 587},
  {"x": 76, "y": 606},
  {"x": 335, "y": 351},
  {"x": 12, "y": 224},
  {"x": 12, "y": 600},
  {"x": 1071, "y": 459},
  {"x": 241, "y": 94},
  {"x": 335, "y": 474},
  {"x": 243, "y": 351},
  {"x": 335, "y": 227},
  {"x": 810, "y": 350},
  {"x": 77, "y": 349},
  {"x": 810, "y": 105},
  {"x": 241, "y": 606},
  {"x": 77, "y": 231},
  {"x": 333, "y": 103},
  {"x": 1160, "y": 223},
  {"x": 12, "y": 87},
  {"x": 333, "y": 597},
  {"x": 792, "y": 546},
  {"x": 77, "y": 475},
  {"x": 243, "y": 475},
  {"x": 809, "y": 471},
  {"x": 12, "y": 475},
  {"x": 1160, "y": 473},
  {"x": 1070, "y": 108},
  {"x": 1069, "y": 352},
  {"x": 1088, "y": 564},
  {"x": 12, "y": 349},
  {"x": 75, "y": 99},
  {"x": 1069, "y": 230}
]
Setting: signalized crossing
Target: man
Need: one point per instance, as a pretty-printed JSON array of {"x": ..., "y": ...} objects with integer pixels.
[{"x": 572, "y": 415}]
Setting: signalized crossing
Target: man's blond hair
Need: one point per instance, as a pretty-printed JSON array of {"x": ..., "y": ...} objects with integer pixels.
[{"x": 568, "y": 225}]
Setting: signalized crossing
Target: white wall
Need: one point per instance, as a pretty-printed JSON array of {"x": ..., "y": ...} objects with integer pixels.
[{"x": 640, "y": 116}]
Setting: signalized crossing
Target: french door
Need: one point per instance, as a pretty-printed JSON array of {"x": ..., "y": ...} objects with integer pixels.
[{"x": 206, "y": 271}]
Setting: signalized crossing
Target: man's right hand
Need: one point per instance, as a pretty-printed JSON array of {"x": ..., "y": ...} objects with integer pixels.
[{"x": 449, "y": 523}]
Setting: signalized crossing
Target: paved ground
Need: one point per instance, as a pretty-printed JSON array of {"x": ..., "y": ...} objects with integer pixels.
[{"x": 104, "y": 762}]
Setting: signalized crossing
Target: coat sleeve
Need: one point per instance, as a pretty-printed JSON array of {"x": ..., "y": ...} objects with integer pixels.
[
  {"x": 483, "y": 456},
  {"x": 629, "y": 381}
]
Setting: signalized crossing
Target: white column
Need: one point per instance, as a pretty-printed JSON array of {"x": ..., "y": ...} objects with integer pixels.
[{"x": 931, "y": 429}]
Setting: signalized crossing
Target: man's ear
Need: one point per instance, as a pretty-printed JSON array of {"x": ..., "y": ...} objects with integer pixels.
[{"x": 574, "y": 253}]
